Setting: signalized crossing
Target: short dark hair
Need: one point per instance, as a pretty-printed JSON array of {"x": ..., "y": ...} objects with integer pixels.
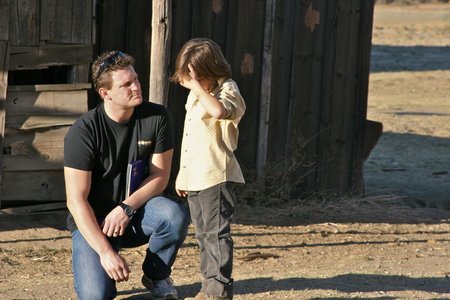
[{"x": 106, "y": 63}]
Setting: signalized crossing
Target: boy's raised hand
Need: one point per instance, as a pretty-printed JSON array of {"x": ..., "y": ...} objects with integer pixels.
[{"x": 191, "y": 82}]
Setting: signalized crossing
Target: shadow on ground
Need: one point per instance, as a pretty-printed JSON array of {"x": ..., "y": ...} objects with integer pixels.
[
  {"x": 412, "y": 166},
  {"x": 348, "y": 283},
  {"x": 385, "y": 58}
]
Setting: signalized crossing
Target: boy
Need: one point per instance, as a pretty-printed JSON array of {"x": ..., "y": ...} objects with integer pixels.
[{"x": 208, "y": 167}]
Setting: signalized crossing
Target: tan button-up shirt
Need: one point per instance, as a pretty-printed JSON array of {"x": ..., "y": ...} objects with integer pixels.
[{"x": 207, "y": 149}]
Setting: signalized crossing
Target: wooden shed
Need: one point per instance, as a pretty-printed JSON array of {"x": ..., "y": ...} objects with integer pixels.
[
  {"x": 302, "y": 67},
  {"x": 45, "y": 50}
]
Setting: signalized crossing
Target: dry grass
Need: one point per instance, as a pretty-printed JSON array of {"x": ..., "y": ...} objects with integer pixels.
[
  {"x": 393, "y": 209},
  {"x": 279, "y": 182}
]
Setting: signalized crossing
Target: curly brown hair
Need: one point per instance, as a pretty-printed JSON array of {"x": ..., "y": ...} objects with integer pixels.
[{"x": 106, "y": 63}]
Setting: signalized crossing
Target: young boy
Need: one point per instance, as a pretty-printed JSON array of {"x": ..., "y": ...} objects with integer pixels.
[{"x": 208, "y": 167}]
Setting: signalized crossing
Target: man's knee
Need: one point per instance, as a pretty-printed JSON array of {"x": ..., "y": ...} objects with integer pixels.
[
  {"x": 177, "y": 223},
  {"x": 175, "y": 215}
]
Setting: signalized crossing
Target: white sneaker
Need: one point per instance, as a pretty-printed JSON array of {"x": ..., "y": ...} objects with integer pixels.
[{"x": 161, "y": 289}]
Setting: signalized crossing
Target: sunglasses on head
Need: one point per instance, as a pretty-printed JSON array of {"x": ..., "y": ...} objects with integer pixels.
[{"x": 108, "y": 61}]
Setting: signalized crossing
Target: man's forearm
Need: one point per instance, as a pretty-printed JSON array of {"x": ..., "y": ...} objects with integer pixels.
[
  {"x": 152, "y": 186},
  {"x": 88, "y": 226}
]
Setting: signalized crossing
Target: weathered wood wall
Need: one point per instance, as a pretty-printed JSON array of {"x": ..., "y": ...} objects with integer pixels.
[
  {"x": 46, "y": 48},
  {"x": 302, "y": 67}
]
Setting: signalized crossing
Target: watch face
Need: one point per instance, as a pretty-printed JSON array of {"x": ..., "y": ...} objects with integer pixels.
[{"x": 127, "y": 209}]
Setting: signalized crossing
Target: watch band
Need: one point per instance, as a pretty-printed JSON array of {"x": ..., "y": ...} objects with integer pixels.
[{"x": 129, "y": 211}]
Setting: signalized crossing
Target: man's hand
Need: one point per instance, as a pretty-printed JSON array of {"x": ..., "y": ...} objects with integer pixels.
[
  {"x": 115, "y": 223},
  {"x": 115, "y": 266}
]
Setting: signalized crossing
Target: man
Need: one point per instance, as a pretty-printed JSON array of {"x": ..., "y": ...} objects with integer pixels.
[{"x": 103, "y": 219}]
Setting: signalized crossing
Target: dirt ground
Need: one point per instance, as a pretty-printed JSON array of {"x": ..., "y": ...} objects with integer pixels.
[{"x": 392, "y": 244}]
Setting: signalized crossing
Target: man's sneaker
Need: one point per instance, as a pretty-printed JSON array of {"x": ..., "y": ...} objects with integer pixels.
[
  {"x": 203, "y": 296},
  {"x": 160, "y": 289}
]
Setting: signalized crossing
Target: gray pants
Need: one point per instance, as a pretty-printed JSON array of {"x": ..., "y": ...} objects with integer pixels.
[{"x": 211, "y": 211}]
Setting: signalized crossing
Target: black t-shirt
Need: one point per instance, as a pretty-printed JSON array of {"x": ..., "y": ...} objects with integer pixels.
[{"x": 97, "y": 143}]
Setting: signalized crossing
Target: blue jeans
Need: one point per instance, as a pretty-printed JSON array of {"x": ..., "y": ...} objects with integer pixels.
[{"x": 161, "y": 222}]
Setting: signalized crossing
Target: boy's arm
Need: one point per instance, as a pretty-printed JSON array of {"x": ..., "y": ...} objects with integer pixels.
[{"x": 210, "y": 103}]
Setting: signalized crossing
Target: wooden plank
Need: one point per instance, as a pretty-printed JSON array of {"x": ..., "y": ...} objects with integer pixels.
[
  {"x": 328, "y": 78},
  {"x": 28, "y": 58},
  {"x": 33, "y": 186},
  {"x": 29, "y": 209},
  {"x": 280, "y": 88},
  {"x": 367, "y": 132},
  {"x": 220, "y": 17},
  {"x": 39, "y": 163},
  {"x": 66, "y": 21},
  {"x": 266, "y": 84},
  {"x": 138, "y": 44},
  {"x": 54, "y": 103},
  {"x": 112, "y": 30},
  {"x": 24, "y": 23},
  {"x": 304, "y": 116},
  {"x": 243, "y": 51},
  {"x": 37, "y": 122},
  {"x": 4, "y": 60},
  {"x": 4, "y": 19},
  {"x": 342, "y": 134},
  {"x": 79, "y": 73},
  {"x": 160, "y": 50},
  {"x": 180, "y": 34},
  {"x": 40, "y": 150},
  {"x": 202, "y": 18},
  {"x": 49, "y": 87}
]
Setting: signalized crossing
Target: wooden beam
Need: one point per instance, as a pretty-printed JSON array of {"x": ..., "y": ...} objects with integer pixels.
[
  {"x": 367, "y": 132},
  {"x": 160, "y": 51},
  {"x": 66, "y": 21},
  {"x": 24, "y": 23},
  {"x": 4, "y": 60},
  {"x": 26, "y": 150},
  {"x": 49, "y": 87},
  {"x": 266, "y": 84},
  {"x": 38, "y": 122},
  {"x": 29, "y": 58},
  {"x": 33, "y": 208},
  {"x": 51, "y": 103},
  {"x": 33, "y": 186},
  {"x": 4, "y": 20}
]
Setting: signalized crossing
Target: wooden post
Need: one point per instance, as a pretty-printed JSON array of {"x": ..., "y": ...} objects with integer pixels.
[
  {"x": 160, "y": 51},
  {"x": 266, "y": 83},
  {"x": 4, "y": 59}
]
